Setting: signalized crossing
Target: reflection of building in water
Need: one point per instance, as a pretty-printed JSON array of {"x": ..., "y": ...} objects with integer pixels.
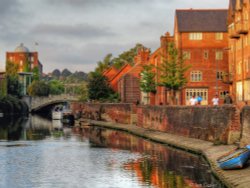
[{"x": 159, "y": 165}]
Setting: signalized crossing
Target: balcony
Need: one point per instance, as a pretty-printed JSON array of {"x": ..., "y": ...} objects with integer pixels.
[
  {"x": 242, "y": 27},
  {"x": 232, "y": 32},
  {"x": 227, "y": 78}
]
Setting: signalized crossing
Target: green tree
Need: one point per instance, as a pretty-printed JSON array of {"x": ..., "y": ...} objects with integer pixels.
[
  {"x": 172, "y": 71},
  {"x": 82, "y": 92},
  {"x": 105, "y": 64},
  {"x": 38, "y": 88},
  {"x": 98, "y": 87},
  {"x": 56, "y": 87},
  {"x": 126, "y": 57},
  {"x": 35, "y": 73},
  {"x": 14, "y": 87},
  {"x": 147, "y": 80}
]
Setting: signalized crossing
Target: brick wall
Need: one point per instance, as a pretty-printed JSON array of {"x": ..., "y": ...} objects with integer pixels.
[
  {"x": 245, "y": 117},
  {"x": 220, "y": 124},
  {"x": 120, "y": 113}
]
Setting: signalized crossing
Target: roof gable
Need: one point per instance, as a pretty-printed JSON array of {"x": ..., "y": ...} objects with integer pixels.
[
  {"x": 120, "y": 72},
  {"x": 202, "y": 20}
]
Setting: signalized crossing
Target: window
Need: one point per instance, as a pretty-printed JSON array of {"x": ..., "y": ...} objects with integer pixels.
[
  {"x": 219, "y": 55},
  {"x": 206, "y": 54},
  {"x": 223, "y": 94},
  {"x": 219, "y": 75},
  {"x": 32, "y": 59},
  {"x": 239, "y": 91},
  {"x": 21, "y": 62},
  {"x": 195, "y": 36},
  {"x": 11, "y": 58},
  {"x": 196, "y": 76},
  {"x": 219, "y": 36},
  {"x": 186, "y": 55},
  {"x": 195, "y": 92}
]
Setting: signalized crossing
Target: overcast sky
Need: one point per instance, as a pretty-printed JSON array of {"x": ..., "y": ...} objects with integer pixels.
[{"x": 75, "y": 34}]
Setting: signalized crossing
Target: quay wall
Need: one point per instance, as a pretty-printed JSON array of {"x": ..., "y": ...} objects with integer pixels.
[
  {"x": 245, "y": 120},
  {"x": 220, "y": 125},
  {"x": 111, "y": 112}
]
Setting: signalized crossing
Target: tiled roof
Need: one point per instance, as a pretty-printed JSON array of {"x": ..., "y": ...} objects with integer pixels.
[{"x": 192, "y": 20}]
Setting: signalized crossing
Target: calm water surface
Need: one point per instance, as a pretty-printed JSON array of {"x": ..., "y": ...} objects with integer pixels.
[{"x": 36, "y": 152}]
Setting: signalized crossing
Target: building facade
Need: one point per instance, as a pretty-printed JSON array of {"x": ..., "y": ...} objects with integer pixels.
[
  {"x": 25, "y": 59},
  {"x": 201, "y": 37},
  {"x": 239, "y": 49}
]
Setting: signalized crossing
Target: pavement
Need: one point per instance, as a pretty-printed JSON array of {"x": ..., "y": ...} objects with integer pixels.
[{"x": 231, "y": 178}]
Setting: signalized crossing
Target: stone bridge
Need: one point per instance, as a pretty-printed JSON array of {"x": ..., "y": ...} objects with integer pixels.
[{"x": 36, "y": 103}]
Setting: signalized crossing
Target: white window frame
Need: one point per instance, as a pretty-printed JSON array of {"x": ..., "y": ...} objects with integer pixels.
[
  {"x": 219, "y": 55},
  {"x": 196, "y": 76},
  {"x": 195, "y": 36},
  {"x": 203, "y": 92},
  {"x": 219, "y": 36}
]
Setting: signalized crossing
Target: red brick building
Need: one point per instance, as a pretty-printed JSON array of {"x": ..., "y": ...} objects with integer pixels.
[
  {"x": 25, "y": 59},
  {"x": 201, "y": 37},
  {"x": 114, "y": 75},
  {"x": 156, "y": 58},
  {"x": 129, "y": 83},
  {"x": 239, "y": 49}
]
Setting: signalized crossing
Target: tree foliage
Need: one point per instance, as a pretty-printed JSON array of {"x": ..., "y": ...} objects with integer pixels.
[
  {"x": 35, "y": 73},
  {"x": 14, "y": 87},
  {"x": 172, "y": 71},
  {"x": 98, "y": 87},
  {"x": 38, "y": 88},
  {"x": 104, "y": 64},
  {"x": 56, "y": 87},
  {"x": 147, "y": 80},
  {"x": 122, "y": 59}
]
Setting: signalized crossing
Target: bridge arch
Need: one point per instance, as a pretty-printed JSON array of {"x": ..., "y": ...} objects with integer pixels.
[{"x": 36, "y": 103}]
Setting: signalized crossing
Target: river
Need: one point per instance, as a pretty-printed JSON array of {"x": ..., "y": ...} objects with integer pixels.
[{"x": 39, "y": 153}]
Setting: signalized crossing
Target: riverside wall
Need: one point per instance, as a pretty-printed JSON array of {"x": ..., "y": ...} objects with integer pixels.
[
  {"x": 111, "y": 112},
  {"x": 220, "y": 125},
  {"x": 245, "y": 121}
]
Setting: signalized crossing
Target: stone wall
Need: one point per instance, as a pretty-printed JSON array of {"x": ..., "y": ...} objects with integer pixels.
[
  {"x": 217, "y": 124},
  {"x": 119, "y": 112},
  {"x": 245, "y": 118}
]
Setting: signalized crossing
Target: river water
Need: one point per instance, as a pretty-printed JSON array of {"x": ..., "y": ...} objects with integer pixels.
[{"x": 36, "y": 152}]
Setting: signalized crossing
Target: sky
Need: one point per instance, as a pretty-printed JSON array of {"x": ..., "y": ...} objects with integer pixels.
[{"x": 76, "y": 34}]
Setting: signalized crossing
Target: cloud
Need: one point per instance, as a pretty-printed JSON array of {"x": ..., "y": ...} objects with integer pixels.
[
  {"x": 83, "y": 31},
  {"x": 95, "y": 3}
]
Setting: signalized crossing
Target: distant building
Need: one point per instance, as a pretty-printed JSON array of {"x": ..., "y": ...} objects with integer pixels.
[
  {"x": 129, "y": 82},
  {"x": 25, "y": 59}
]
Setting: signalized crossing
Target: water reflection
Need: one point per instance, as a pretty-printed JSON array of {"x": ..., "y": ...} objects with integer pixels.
[
  {"x": 44, "y": 153},
  {"x": 159, "y": 166},
  {"x": 29, "y": 128}
]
